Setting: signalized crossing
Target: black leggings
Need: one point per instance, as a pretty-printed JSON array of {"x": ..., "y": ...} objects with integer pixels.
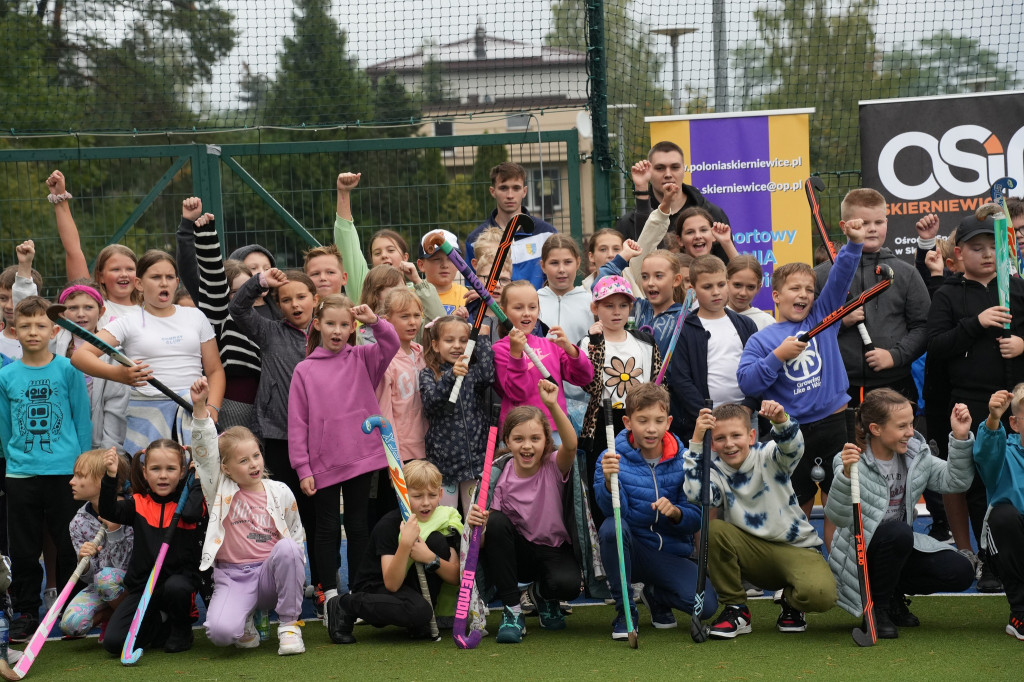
[
  {"x": 356, "y": 493},
  {"x": 280, "y": 469},
  {"x": 174, "y": 596},
  {"x": 1006, "y": 524},
  {"x": 510, "y": 559},
  {"x": 895, "y": 568}
]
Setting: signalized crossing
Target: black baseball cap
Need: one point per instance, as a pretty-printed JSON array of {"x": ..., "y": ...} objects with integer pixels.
[{"x": 970, "y": 227}]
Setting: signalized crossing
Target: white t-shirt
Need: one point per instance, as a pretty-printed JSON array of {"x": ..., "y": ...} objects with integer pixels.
[
  {"x": 113, "y": 311},
  {"x": 10, "y": 347},
  {"x": 759, "y": 317},
  {"x": 624, "y": 359},
  {"x": 724, "y": 351},
  {"x": 894, "y": 471},
  {"x": 171, "y": 346}
]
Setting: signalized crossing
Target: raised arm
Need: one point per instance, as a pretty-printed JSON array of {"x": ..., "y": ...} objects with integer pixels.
[
  {"x": 346, "y": 238},
  {"x": 74, "y": 258},
  {"x": 566, "y": 454}
]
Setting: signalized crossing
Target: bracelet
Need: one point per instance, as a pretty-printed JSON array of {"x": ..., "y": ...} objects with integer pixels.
[
  {"x": 641, "y": 192},
  {"x": 213, "y": 407},
  {"x": 57, "y": 198}
]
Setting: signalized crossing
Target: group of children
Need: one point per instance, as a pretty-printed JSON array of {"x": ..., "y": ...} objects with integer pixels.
[{"x": 282, "y": 367}]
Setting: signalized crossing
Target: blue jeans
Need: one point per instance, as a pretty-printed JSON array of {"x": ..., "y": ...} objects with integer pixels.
[{"x": 673, "y": 577}]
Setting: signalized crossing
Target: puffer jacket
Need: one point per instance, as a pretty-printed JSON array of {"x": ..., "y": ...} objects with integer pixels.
[
  {"x": 640, "y": 485},
  {"x": 924, "y": 470}
]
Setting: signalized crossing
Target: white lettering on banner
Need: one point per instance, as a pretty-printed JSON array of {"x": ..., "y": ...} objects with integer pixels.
[
  {"x": 737, "y": 188},
  {"x": 743, "y": 165},
  {"x": 945, "y": 154}
]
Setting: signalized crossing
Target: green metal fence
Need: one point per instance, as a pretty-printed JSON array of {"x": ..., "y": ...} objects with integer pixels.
[{"x": 279, "y": 194}]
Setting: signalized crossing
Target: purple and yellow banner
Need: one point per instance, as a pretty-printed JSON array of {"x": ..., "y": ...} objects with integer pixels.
[{"x": 752, "y": 165}]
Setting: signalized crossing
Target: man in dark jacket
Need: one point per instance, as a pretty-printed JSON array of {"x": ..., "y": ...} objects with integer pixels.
[{"x": 665, "y": 164}]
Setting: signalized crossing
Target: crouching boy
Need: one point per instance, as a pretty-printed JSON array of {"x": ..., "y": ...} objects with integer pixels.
[
  {"x": 386, "y": 591},
  {"x": 761, "y": 534},
  {"x": 657, "y": 522}
]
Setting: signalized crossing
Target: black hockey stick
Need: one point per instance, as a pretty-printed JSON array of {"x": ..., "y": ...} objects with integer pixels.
[
  {"x": 841, "y": 312},
  {"x": 698, "y": 631}
]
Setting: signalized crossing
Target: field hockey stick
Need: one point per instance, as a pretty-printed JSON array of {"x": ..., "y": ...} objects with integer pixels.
[
  {"x": 387, "y": 436},
  {"x": 54, "y": 313},
  {"x": 435, "y": 240},
  {"x": 1000, "y": 189},
  {"x": 129, "y": 654},
  {"x": 613, "y": 484},
  {"x": 28, "y": 656},
  {"x": 812, "y": 186},
  {"x": 868, "y": 635},
  {"x": 843, "y": 311},
  {"x": 680, "y": 319},
  {"x": 507, "y": 237},
  {"x": 698, "y": 632},
  {"x": 468, "y": 581}
]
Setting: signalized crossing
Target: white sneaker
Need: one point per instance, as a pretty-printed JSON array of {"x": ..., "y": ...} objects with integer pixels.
[
  {"x": 251, "y": 638},
  {"x": 328, "y": 595},
  {"x": 289, "y": 639}
]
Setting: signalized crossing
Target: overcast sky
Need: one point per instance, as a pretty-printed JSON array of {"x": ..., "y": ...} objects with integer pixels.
[{"x": 382, "y": 30}]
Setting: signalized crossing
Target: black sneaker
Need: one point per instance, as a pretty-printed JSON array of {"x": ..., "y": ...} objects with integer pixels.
[
  {"x": 732, "y": 622},
  {"x": 790, "y": 620},
  {"x": 884, "y": 627},
  {"x": 899, "y": 613},
  {"x": 1015, "y": 628},
  {"x": 940, "y": 531},
  {"x": 340, "y": 621},
  {"x": 988, "y": 583},
  {"x": 179, "y": 640},
  {"x": 22, "y": 628}
]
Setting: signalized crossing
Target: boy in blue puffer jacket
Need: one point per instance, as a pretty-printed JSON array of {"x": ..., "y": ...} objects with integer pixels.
[{"x": 657, "y": 522}]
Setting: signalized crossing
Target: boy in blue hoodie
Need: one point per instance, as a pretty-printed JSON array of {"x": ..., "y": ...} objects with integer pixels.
[
  {"x": 808, "y": 378},
  {"x": 999, "y": 462},
  {"x": 761, "y": 534},
  {"x": 657, "y": 522}
]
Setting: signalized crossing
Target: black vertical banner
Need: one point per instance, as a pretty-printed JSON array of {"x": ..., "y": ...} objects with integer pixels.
[{"x": 939, "y": 155}]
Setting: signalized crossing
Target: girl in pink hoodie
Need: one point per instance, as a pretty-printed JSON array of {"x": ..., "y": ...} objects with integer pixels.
[{"x": 332, "y": 392}]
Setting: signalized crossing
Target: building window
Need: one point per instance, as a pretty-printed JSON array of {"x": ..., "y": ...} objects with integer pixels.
[
  {"x": 546, "y": 189},
  {"x": 518, "y": 121}
]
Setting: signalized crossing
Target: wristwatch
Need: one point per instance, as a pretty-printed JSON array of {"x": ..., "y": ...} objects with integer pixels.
[{"x": 433, "y": 565}]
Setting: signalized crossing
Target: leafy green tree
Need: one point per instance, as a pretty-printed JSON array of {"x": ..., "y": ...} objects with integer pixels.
[{"x": 946, "y": 64}]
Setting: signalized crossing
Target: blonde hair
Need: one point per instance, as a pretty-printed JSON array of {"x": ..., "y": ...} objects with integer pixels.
[
  {"x": 229, "y": 441},
  {"x": 865, "y": 197},
  {"x": 518, "y": 284},
  {"x": 676, "y": 266},
  {"x": 398, "y": 300},
  {"x": 316, "y": 251},
  {"x": 485, "y": 262},
  {"x": 1018, "y": 398},
  {"x": 331, "y": 301},
  {"x": 421, "y": 475},
  {"x": 487, "y": 242},
  {"x": 90, "y": 463},
  {"x": 105, "y": 254}
]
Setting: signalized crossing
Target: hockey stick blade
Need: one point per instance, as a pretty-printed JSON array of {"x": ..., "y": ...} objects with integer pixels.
[
  {"x": 863, "y": 638},
  {"x": 840, "y": 313}
]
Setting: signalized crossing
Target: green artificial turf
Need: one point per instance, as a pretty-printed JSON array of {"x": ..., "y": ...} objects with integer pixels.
[{"x": 961, "y": 638}]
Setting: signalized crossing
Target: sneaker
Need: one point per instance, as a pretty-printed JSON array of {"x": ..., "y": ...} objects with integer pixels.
[
  {"x": 732, "y": 622},
  {"x": 662, "y": 617},
  {"x": 180, "y": 639},
  {"x": 341, "y": 621},
  {"x": 550, "y": 612},
  {"x": 899, "y": 613},
  {"x": 565, "y": 607},
  {"x": 250, "y": 638},
  {"x": 790, "y": 620},
  {"x": 22, "y": 628},
  {"x": 49, "y": 597},
  {"x": 973, "y": 558},
  {"x": 328, "y": 595},
  {"x": 289, "y": 639},
  {"x": 752, "y": 590},
  {"x": 513, "y": 627},
  {"x": 939, "y": 530},
  {"x": 526, "y": 604},
  {"x": 1015, "y": 627},
  {"x": 619, "y": 630},
  {"x": 884, "y": 627},
  {"x": 988, "y": 581}
]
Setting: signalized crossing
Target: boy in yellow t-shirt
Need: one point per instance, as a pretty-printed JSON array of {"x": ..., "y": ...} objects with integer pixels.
[{"x": 439, "y": 271}]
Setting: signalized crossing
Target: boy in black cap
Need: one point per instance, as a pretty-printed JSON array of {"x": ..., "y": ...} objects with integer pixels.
[{"x": 965, "y": 331}]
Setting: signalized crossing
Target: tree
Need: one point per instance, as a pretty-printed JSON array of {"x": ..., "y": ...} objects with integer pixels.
[{"x": 946, "y": 64}]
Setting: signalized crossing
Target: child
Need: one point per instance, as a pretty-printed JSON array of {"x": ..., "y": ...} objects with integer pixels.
[
  {"x": 438, "y": 270},
  {"x": 324, "y": 265},
  {"x": 662, "y": 279},
  {"x": 283, "y": 343},
  {"x": 623, "y": 360},
  {"x": 701, "y": 235},
  {"x": 745, "y": 277},
  {"x": 657, "y": 522},
  {"x": 173, "y": 344},
  {"x": 157, "y": 476},
  {"x": 896, "y": 320},
  {"x": 398, "y": 393},
  {"x": 104, "y": 581},
  {"x": 525, "y": 538},
  {"x": 16, "y": 283},
  {"x": 999, "y": 462},
  {"x": 508, "y": 187},
  {"x": 966, "y": 341},
  {"x": 44, "y": 426},
  {"x": 603, "y": 246},
  {"x": 563, "y": 304},
  {"x": 456, "y": 441},
  {"x": 514, "y": 371},
  {"x": 332, "y": 392},
  {"x": 809, "y": 378},
  {"x": 482, "y": 265},
  {"x": 380, "y": 280},
  {"x": 761, "y": 534},
  {"x": 254, "y": 538},
  {"x": 709, "y": 348},
  {"x": 896, "y": 466},
  {"x": 386, "y": 592},
  {"x": 115, "y": 266}
]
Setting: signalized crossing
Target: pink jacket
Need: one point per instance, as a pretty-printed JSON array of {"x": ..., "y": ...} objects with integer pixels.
[
  {"x": 517, "y": 379},
  {"x": 331, "y": 394}
]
